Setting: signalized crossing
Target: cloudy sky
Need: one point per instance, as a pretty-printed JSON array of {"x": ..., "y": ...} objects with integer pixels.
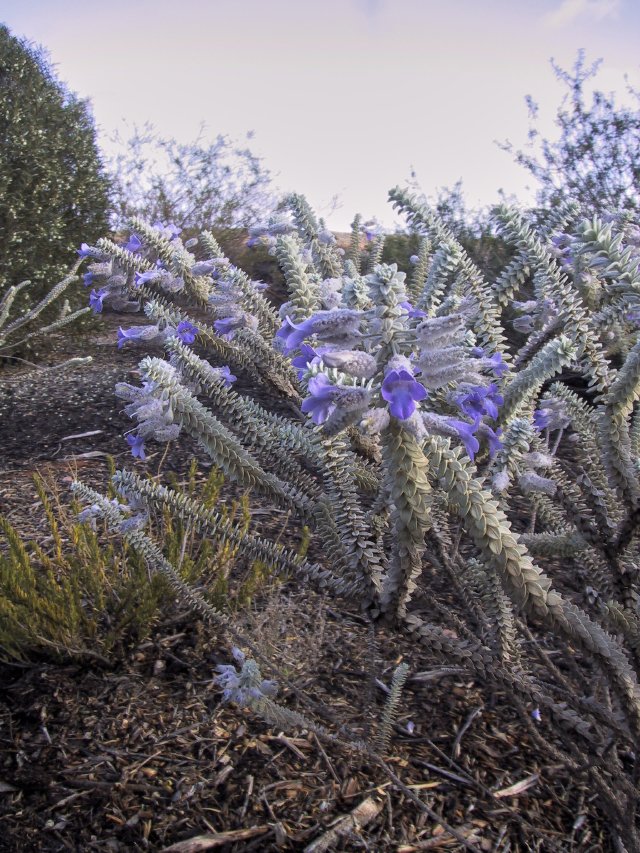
[{"x": 345, "y": 97}]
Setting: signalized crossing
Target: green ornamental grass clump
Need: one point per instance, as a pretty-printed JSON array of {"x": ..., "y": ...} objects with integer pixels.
[
  {"x": 420, "y": 440},
  {"x": 79, "y": 595}
]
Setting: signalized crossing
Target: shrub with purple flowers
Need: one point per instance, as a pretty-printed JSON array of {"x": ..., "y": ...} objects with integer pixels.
[{"x": 417, "y": 435}]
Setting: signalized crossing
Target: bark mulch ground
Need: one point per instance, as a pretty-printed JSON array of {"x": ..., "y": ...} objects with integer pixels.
[{"x": 141, "y": 753}]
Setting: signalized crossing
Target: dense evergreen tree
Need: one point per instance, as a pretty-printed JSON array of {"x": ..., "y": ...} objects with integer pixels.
[{"x": 54, "y": 193}]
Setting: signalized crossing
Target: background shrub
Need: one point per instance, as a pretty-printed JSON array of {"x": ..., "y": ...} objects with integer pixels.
[
  {"x": 203, "y": 184},
  {"x": 54, "y": 192}
]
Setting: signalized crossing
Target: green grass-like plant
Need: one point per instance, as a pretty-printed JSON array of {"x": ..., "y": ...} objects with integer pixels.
[{"x": 82, "y": 595}]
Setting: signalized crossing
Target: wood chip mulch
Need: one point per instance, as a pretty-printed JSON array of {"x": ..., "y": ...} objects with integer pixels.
[{"x": 146, "y": 756}]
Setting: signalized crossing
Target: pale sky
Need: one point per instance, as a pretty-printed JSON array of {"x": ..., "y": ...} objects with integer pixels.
[{"x": 344, "y": 96}]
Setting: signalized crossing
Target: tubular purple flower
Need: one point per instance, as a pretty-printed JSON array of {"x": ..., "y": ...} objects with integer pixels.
[
  {"x": 326, "y": 237},
  {"x": 226, "y": 374},
  {"x": 133, "y": 244},
  {"x": 136, "y": 443},
  {"x": 320, "y": 404},
  {"x": 187, "y": 332},
  {"x": 96, "y": 299},
  {"x": 246, "y": 685},
  {"x": 226, "y": 327},
  {"x": 372, "y": 229},
  {"x": 144, "y": 277},
  {"x": 87, "y": 279},
  {"x": 87, "y": 251},
  {"x": 401, "y": 390},
  {"x": 292, "y": 335},
  {"x": 465, "y": 432},
  {"x": 551, "y": 415},
  {"x": 479, "y": 401},
  {"x": 307, "y": 357},
  {"x": 411, "y": 311},
  {"x": 169, "y": 231},
  {"x": 327, "y": 325},
  {"x": 137, "y": 333},
  {"x": 541, "y": 419},
  {"x": 203, "y": 267},
  {"x": 496, "y": 364},
  {"x": 327, "y": 399}
]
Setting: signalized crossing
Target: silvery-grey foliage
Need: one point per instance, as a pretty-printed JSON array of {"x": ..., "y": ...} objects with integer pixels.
[
  {"x": 418, "y": 420},
  {"x": 18, "y": 330}
]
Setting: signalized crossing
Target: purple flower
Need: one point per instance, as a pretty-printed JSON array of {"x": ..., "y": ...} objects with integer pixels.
[
  {"x": 187, "y": 332},
  {"x": 293, "y": 334},
  {"x": 306, "y": 357},
  {"x": 226, "y": 375},
  {"x": 466, "y": 435},
  {"x": 372, "y": 229},
  {"x": 326, "y": 237},
  {"x": 85, "y": 251},
  {"x": 137, "y": 333},
  {"x": 320, "y": 404},
  {"x": 411, "y": 311},
  {"x": 136, "y": 443},
  {"x": 96, "y": 298},
  {"x": 133, "y": 244},
  {"x": 480, "y": 401},
  {"x": 495, "y": 362},
  {"x": 229, "y": 680},
  {"x": 226, "y": 327},
  {"x": 402, "y": 392},
  {"x": 169, "y": 231},
  {"x": 87, "y": 279},
  {"x": 497, "y": 365},
  {"x": 143, "y": 277},
  {"x": 541, "y": 419},
  {"x": 338, "y": 323},
  {"x": 125, "y": 335}
]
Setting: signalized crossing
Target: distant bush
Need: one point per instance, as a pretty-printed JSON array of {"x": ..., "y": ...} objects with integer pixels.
[
  {"x": 53, "y": 189},
  {"x": 595, "y": 160},
  {"x": 199, "y": 185}
]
